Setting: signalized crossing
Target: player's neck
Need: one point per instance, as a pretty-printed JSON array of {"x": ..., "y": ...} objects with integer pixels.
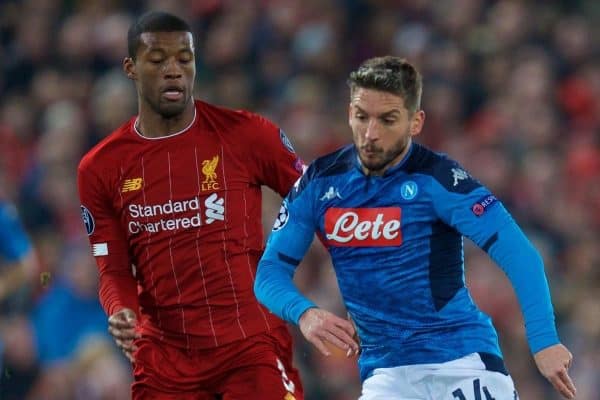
[{"x": 153, "y": 125}]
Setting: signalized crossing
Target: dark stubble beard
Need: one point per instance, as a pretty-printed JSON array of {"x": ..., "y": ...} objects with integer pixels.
[
  {"x": 166, "y": 110},
  {"x": 377, "y": 167}
]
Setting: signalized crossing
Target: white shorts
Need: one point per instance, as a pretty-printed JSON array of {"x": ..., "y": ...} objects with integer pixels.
[{"x": 466, "y": 378}]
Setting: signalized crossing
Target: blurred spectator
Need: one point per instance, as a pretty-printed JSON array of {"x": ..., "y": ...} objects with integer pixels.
[
  {"x": 69, "y": 312},
  {"x": 18, "y": 266}
]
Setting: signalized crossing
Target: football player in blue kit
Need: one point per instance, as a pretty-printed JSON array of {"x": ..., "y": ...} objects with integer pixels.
[
  {"x": 393, "y": 214},
  {"x": 18, "y": 262}
]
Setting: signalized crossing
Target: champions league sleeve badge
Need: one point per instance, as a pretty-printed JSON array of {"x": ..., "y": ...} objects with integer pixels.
[
  {"x": 282, "y": 217},
  {"x": 286, "y": 142},
  {"x": 88, "y": 220}
]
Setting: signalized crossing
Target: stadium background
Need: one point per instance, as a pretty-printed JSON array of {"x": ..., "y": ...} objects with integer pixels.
[{"x": 512, "y": 90}]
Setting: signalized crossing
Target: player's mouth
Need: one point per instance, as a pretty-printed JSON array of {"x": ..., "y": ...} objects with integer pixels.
[
  {"x": 172, "y": 93},
  {"x": 370, "y": 151}
]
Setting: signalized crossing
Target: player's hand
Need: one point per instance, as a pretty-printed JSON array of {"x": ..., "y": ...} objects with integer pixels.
[
  {"x": 319, "y": 326},
  {"x": 355, "y": 337},
  {"x": 121, "y": 326},
  {"x": 554, "y": 363}
]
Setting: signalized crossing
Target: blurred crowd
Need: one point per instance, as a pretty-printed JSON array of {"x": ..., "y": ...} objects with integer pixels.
[{"x": 511, "y": 90}]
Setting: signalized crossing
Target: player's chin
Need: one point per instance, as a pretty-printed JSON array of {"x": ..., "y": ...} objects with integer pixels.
[
  {"x": 372, "y": 163},
  {"x": 172, "y": 108}
]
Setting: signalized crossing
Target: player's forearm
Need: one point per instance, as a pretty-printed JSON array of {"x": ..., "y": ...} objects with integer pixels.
[
  {"x": 117, "y": 291},
  {"x": 274, "y": 287},
  {"x": 523, "y": 265}
]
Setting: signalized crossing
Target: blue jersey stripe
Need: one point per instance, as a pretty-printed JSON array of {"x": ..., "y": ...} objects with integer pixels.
[{"x": 445, "y": 264}]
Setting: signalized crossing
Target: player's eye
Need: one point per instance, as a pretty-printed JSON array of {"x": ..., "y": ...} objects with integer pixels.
[
  {"x": 156, "y": 57},
  {"x": 389, "y": 121},
  {"x": 185, "y": 58},
  {"x": 361, "y": 117}
]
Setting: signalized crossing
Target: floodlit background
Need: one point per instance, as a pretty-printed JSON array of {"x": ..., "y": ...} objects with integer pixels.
[{"x": 512, "y": 91}]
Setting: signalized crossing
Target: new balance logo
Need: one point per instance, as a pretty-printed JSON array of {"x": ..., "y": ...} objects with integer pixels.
[
  {"x": 331, "y": 194},
  {"x": 130, "y": 185}
]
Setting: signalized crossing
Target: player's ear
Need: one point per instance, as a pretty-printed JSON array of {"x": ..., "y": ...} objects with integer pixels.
[
  {"x": 416, "y": 122},
  {"x": 129, "y": 68},
  {"x": 349, "y": 113}
]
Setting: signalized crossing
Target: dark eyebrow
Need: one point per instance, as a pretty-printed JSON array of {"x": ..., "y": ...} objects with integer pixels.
[
  {"x": 390, "y": 113},
  {"x": 384, "y": 115},
  {"x": 159, "y": 47}
]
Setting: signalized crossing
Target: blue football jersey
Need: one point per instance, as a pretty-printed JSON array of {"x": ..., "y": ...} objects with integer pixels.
[
  {"x": 14, "y": 243},
  {"x": 396, "y": 243}
]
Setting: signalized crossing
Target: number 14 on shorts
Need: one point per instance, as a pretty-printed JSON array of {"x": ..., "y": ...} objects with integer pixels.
[{"x": 480, "y": 393}]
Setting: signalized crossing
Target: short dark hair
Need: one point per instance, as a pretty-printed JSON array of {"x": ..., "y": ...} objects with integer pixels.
[
  {"x": 153, "y": 21},
  {"x": 390, "y": 74}
]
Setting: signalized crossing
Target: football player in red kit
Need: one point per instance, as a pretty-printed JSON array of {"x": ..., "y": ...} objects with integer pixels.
[{"x": 172, "y": 206}]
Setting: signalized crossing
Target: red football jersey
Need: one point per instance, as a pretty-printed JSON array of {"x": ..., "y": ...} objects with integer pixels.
[{"x": 175, "y": 223}]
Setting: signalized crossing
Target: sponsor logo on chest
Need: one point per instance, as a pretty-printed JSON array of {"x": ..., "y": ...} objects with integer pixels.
[
  {"x": 174, "y": 215},
  {"x": 363, "y": 227}
]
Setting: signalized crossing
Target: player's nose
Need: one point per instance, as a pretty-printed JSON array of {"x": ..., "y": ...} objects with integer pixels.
[
  {"x": 372, "y": 132},
  {"x": 172, "y": 69}
]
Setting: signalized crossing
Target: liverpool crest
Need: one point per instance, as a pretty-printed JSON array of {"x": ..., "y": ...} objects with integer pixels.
[{"x": 210, "y": 176}]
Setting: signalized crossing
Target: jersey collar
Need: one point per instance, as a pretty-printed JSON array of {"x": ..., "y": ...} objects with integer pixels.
[{"x": 136, "y": 130}]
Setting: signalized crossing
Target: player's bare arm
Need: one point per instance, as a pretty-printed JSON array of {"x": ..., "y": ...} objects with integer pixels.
[
  {"x": 319, "y": 326},
  {"x": 554, "y": 363}
]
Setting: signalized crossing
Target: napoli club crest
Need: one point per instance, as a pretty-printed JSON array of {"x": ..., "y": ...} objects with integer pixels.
[{"x": 409, "y": 190}]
